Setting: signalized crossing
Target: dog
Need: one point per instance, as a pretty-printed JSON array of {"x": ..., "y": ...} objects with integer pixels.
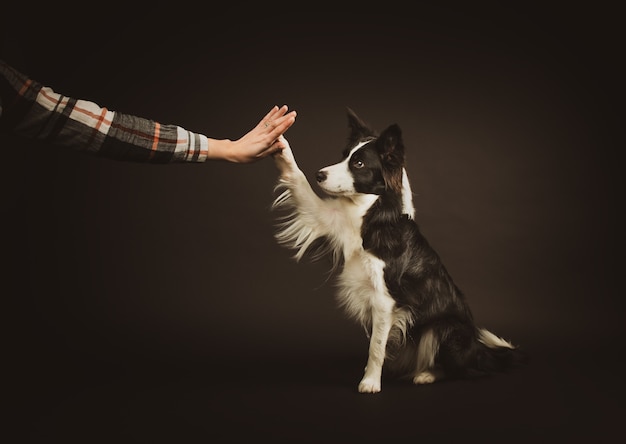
[{"x": 389, "y": 277}]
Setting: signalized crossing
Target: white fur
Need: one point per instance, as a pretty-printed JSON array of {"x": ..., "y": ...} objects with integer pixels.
[
  {"x": 492, "y": 341},
  {"x": 426, "y": 352},
  {"x": 407, "y": 196},
  {"x": 362, "y": 291},
  {"x": 361, "y": 287},
  {"x": 339, "y": 179}
]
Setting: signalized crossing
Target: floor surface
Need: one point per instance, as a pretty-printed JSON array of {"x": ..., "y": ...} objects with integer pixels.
[{"x": 557, "y": 397}]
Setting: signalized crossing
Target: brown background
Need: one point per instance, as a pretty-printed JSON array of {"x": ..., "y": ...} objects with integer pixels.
[{"x": 149, "y": 301}]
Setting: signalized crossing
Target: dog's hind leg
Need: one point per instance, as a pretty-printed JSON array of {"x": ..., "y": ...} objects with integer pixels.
[
  {"x": 382, "y": 321},
  {"x": 425, "y": 372}
]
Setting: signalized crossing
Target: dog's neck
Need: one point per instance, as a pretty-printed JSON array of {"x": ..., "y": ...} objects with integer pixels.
[
  {"x": 363, "y": 201},
  {"x": 407, "y": 196}
]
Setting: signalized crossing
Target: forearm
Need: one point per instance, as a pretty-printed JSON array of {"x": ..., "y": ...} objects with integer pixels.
[{"x": 32, "y": 110}]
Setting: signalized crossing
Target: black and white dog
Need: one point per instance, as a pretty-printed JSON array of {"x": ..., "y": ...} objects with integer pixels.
[{"x": 391, "y": 280}]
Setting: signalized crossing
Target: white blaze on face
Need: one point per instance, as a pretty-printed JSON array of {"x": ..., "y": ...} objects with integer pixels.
[{"x": 339, "y": 179}]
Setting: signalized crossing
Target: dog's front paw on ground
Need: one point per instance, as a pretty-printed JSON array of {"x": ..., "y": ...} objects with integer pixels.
[{"x": 368, "y": 385}]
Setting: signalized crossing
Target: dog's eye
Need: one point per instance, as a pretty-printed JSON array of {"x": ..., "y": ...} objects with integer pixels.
[{"x": 358, "y": 164}]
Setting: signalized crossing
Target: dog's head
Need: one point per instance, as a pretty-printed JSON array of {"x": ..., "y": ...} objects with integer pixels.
[{"x": 372, "y": 163}]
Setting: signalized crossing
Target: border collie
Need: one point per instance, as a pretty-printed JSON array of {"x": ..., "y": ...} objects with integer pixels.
[{"x": 390, "y": 279}]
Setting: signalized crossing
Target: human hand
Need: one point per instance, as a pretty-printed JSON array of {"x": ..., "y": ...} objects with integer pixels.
[{"x": 261, "y": 141}]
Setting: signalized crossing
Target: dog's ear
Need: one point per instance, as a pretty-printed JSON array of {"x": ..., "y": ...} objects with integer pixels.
[
  {"x": 358, "y": 129},
  {"x": 390, "y": 145},
  {"x": 391, "y": 151}
]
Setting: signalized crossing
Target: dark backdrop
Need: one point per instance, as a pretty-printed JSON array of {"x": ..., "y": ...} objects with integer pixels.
[{"x": 151, "y": 300}]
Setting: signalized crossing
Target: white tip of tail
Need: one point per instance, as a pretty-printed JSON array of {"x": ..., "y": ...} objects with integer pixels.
[{"x": 491, "y": 340}]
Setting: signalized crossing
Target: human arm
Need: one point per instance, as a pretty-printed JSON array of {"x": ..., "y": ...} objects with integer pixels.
[{"x": 32, "y": 110}]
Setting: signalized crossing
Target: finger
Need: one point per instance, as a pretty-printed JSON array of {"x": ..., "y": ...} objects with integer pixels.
[
  {"x": 279, "y": 112},
  {"x": 276, "y": 113},
  {"x": 270, "y": 113},
  {"x": 283, "y": 124},
  {"x": 276, "y": 122},
  {"x": 285, "y": 121},
  {"x": 270, "y": 150},
  {"x": 267, "y": 119}
]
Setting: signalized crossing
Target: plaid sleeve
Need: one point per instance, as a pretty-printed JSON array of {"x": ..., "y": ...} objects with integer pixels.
[{"x": 33, "y": 110}]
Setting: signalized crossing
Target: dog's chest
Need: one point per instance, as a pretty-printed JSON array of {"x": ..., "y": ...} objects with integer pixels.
[{"x": 361, "y": 285}]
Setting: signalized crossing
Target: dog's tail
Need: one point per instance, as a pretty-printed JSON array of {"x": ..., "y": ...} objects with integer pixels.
[
  {"x": 494, "y": 354},
  {"x": 466, "y": 352}
]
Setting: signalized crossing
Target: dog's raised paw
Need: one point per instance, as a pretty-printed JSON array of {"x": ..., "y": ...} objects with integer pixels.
[
  {"x": 369, "y": 386},
  {"x": 285, "y": 162}
]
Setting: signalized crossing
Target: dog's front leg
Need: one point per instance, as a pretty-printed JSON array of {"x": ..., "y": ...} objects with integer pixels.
[
  {"x": 382, "y": 320},
  {"x": 292, "y": 177},
  {"x": 286, "y": 162},
  {"x": 308, "y": 221}
]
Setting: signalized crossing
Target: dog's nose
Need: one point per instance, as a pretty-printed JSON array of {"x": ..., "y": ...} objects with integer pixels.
[{"x": 321, "y": 176}]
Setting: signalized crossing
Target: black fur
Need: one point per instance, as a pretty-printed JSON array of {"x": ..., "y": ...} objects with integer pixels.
[
  {"x": 414, "y": 274},
  {"x": 390, "y": 280}
]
